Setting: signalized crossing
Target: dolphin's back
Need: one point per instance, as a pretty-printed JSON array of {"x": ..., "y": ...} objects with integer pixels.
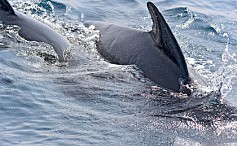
[
  {"x": 121, "y": 45},
  {"x": 156, "y": 53},
  {"x": 33, "y": 30}
]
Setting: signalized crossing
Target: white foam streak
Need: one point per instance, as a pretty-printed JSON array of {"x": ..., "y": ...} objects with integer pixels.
[{"x": 227, "y": 72}]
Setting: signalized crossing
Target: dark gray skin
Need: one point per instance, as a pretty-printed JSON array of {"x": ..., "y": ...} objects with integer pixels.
[
  {"x": 33, "y": 30},
  {"x": 156, "y": 53}
]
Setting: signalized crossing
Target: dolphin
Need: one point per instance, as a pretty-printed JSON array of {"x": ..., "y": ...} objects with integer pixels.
[
  {"x": 33, "y": 30},
  {"x": 156, "y": 53}
]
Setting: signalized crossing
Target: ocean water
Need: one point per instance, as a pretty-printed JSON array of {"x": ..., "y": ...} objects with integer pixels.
[{"x": 88, "y": 101}]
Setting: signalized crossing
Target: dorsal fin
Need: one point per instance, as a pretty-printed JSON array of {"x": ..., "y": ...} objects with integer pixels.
[
  {"x": 165, "y": 40},
  {"x": 5, "y": 6}
]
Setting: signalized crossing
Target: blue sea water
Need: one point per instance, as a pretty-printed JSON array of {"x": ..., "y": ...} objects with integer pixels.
[{"x": 88, "y": 101}]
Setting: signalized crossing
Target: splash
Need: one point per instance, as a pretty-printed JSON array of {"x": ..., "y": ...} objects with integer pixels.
[
  {"x": 189, "y": 22},
  {"x": 227, "y": 72}
]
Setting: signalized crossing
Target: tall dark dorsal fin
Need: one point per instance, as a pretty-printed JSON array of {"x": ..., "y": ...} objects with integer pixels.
[
  {"x": 5, "y": 6},
  {"x": 165, "y": 40}
]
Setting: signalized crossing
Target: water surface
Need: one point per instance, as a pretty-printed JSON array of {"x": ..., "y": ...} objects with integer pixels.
[{"x": 88, "y": 101}]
